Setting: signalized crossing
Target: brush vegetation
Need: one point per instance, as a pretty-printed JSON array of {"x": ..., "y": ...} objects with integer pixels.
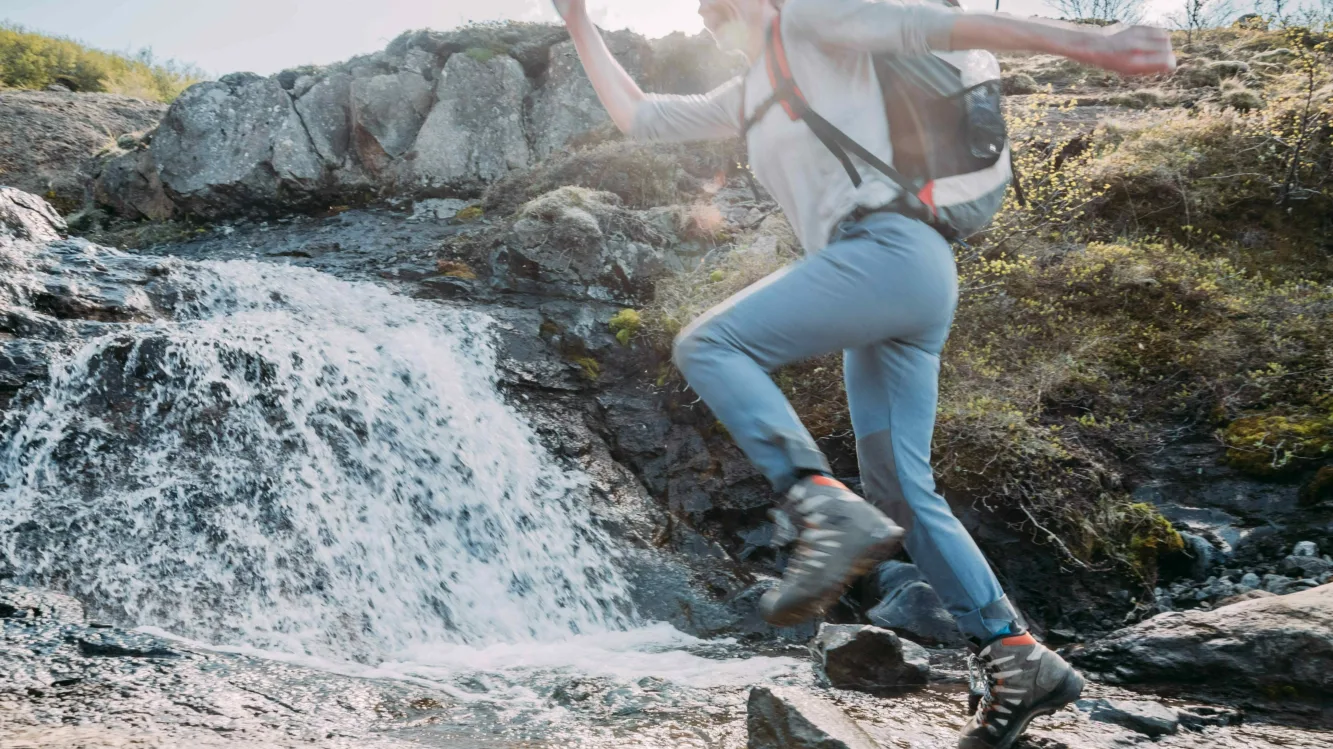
[{"x": 29, "y": 60}]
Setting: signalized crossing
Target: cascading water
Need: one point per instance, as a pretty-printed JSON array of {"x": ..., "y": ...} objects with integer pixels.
[{"x": 302, "y": 464}]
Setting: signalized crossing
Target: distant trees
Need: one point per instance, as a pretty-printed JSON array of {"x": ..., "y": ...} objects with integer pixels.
[
  {"x": 1201, "y": 14},
  {"x": 1107, "y": 11}
]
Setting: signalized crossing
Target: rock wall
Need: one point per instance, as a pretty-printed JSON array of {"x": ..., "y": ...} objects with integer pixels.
[{"x": 435, "y": 114}]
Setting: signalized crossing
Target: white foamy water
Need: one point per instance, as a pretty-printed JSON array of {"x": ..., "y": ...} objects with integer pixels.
[{"x": 304, "y": 465}]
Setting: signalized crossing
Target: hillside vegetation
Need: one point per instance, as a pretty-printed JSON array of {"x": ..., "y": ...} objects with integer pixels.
[{"x": 29, "y": 60}]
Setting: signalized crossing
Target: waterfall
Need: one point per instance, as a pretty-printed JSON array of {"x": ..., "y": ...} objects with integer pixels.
[{"x": 298, "y": 463}]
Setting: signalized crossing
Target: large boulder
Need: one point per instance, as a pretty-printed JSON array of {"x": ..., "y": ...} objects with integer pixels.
[
  {"x": 236, "y": 145},
  {"x": 1273, "y": 644},
  {"x": 566, "y": 105},
  {"x": 49, "y": 140},
  {"x": 869, "y": 659},
  {"x": 787, "y": 718},
  {"x": 474, "y": 135}
]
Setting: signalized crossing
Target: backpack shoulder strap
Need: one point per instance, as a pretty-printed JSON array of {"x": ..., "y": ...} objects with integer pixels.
[{"x": 794, "y": 102}]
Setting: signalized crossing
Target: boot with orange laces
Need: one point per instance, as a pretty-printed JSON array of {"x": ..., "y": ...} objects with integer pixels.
[
  {"x": 1018, "y": 679},
  {"x": 841, "y": 538}
]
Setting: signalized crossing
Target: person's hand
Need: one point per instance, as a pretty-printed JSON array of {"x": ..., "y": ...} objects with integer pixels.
[
  {"x": 1130, "y": 50},
  {"x": 570, "y": 9}
]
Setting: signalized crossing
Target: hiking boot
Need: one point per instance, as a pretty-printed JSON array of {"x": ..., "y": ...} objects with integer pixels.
[
  {"x": 1018, "y": 679},
  {"x": 840, "y": 538}
]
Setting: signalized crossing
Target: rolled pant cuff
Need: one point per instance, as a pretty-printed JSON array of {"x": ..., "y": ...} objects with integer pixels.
[
  {"x": 995, "y": 619},
  {"x": 802, "y": 456}
]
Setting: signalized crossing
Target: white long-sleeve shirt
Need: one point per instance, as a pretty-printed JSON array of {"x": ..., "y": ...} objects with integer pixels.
[{"x": 829, "y": 45}]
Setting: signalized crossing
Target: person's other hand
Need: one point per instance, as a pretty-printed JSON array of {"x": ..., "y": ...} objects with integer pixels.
[
  {"x": 570, "y": 8},
  {"x": 1130, "y": 50}
]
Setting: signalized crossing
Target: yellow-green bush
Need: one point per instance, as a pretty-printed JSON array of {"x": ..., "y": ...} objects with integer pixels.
[{"x": 35, "y": 61}]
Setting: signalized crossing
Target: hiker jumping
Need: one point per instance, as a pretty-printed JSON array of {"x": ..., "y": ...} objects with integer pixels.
[{"x": 875, "y": 125}]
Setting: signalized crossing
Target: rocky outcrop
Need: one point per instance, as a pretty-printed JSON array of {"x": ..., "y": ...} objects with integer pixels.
[
  {"x": 788, "y": 718},
  {"x": 435, "y": 114},
  {"x": 1282, "y": 644},
  {"x": 234, "y": 143},
  {"x": 49, "y": 141},
  {"x": 566, "y": 106},
  {"x": 54, "y": 292},
  {"x": 869, "y": 659},
  {"x": 450, "y": 149}
]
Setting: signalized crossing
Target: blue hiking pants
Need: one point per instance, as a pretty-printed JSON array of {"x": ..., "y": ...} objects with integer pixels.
[{"x": 883, "y": 292}]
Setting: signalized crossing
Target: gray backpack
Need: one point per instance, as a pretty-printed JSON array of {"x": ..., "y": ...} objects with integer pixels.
[{"x": 950, "y": 145}]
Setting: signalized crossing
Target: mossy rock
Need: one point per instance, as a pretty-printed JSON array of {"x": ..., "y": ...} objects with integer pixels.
[
  {"x": 1019, "y": 84},
  {"x": 1242, "y": 100},
  {"x": 626, "y": 324},
  {"x": 1278, "y": 445},
  {"x": 1228, "y": 68}
]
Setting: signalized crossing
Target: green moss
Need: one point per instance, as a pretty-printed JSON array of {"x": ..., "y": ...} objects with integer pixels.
[
  {"x": 592, "y": 369},
  {"x": 455, "y": 269},
  {"x": 470, "y": 214},
  {"x": 1152, "y": 535},
  {"x": 481, "y": 54},
  {"x": 626, "y": 325},
  {"x": 1278, "y": 445}
]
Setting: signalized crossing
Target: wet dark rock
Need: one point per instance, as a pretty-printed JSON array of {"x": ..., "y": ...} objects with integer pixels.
[
  {"x": 869, "y": 659},
  {"x": 27, "y": 603},
  {"x": 910, "y": 607},
  {"x": 1280, "y": 642},
  {"x": 788, "y": 718},
  {"x": 1306, "y": 567},
  {"x": 105, "y": 643},
  {"x": 1199, "y": 717},
  {"x": 27, "y": 217},
  {"x": 1201, "y": 554},
  {"x": 1148, "y": 718}
]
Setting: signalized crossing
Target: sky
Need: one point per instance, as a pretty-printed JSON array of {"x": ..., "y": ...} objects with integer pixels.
[{"x": 265, "y": 36}]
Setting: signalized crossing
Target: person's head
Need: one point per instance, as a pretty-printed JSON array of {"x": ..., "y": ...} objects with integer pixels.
[{"x": 736, "y": 25}]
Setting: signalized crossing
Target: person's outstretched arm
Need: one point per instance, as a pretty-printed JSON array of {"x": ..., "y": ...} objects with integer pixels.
[
  {"x": 654, "y": 117},
  {"x": 915, "y": 28},
  {"x": 615, "y": 88},
  {"x": 1129, "y": 50}
]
